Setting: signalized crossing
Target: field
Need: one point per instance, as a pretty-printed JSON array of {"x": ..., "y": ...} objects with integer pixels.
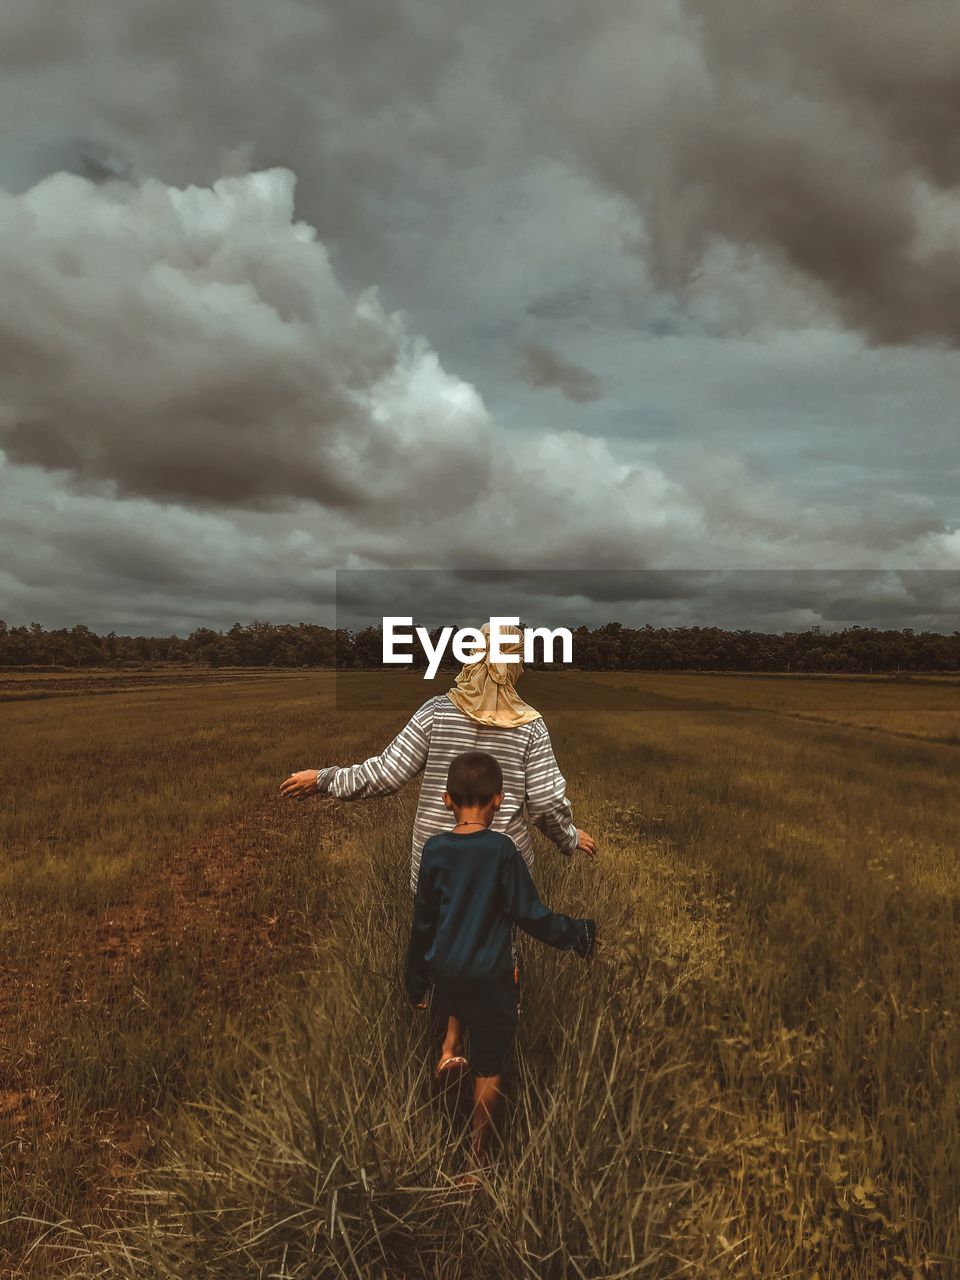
[{"x": 206, "y": 1064}]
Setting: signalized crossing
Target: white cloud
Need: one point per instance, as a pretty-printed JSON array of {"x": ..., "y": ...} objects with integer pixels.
[{"x": 194, "y": 345}]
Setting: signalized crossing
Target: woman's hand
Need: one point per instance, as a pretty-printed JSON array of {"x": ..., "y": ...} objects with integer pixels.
[
  {"x": 586, "y": 844},
  {"x": 300, "y": 785}
]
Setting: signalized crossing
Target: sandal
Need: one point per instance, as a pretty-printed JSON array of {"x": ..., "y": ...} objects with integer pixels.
[{"x": 453, "y": 1062}]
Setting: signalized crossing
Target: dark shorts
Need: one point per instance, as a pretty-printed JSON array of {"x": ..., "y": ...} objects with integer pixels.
[{"x": 489, "y": 1015}]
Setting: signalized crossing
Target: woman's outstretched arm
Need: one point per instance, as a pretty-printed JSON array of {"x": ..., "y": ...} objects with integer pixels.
[
  {"x": 547, "y": 805},
  {"x": 380, "y": 775}
]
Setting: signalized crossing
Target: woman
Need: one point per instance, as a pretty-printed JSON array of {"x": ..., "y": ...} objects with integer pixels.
[{"x": 482, "y": 712}]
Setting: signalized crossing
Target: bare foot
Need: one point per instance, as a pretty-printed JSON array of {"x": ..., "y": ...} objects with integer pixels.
[{"x": 472, "y": 1174}]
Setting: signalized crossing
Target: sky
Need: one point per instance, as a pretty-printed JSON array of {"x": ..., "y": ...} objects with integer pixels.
[{"x": 655, "y": 287}]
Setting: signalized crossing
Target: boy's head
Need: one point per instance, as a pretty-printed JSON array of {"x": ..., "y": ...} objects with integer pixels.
[{"x": 474, "y": 784}]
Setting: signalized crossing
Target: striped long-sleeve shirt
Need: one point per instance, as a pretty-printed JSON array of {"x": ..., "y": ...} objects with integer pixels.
[{"x": 534, "y": 789}]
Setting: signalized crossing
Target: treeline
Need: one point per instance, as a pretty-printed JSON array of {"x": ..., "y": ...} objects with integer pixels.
[
  {"x": 260, "y": 644},
  {"x": 611, "y": 647}
]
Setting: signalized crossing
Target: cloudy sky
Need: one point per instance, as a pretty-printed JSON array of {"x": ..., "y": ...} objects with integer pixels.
[{"x": 649, "y": 285}]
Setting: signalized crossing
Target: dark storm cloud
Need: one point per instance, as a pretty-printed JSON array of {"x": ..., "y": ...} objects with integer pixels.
[
  {"x": 538, "y": 596},
  {"x": 541, "y": 367},
  {"x": 771, "y": 600},
  {"x": 132, "y": 564},
  {"x": 901, "y": 62},
  {"x": 600, "y": 586},
  {"x": 814, "y": 133},
  {"x": 819, "y": 134},
  {"x": 688, "y": 201}
]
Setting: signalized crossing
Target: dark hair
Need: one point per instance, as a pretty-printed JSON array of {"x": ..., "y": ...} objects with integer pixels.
[{"x": 473, "y": 778}]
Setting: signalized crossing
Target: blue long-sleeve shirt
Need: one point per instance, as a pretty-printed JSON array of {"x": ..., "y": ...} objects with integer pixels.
[{"x": 471, "y": 889}]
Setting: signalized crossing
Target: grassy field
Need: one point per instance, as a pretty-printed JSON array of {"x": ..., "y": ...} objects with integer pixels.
[
  {"x": 912, "y": 706},
  {"x": 208, "y": 1068}
]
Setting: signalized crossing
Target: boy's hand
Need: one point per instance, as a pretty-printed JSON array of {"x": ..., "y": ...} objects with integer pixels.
[
  {"x": 421, "y": 1004},
  {"x": 586, "y": 844},
  {"x": 300, "y": 785}
]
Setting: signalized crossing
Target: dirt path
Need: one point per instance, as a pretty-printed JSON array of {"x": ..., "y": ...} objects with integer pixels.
[{"x": 197, "y": 920}]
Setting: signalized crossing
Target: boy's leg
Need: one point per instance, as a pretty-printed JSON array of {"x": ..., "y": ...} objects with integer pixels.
[
  {"x": 486, "y": 1096},
  {"x": 451, "y": 1065},
  {"x": 452, "y": 1046},
  {"x": 491, "y": 1037}
]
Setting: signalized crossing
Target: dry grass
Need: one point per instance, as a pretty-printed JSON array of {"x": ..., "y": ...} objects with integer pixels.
[
  {"x": 759, "y": 1076},
  {"x": 917, "y": 706}
]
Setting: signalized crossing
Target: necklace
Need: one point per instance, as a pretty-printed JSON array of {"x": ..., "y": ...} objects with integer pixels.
[{"x": 470, "y": 824}]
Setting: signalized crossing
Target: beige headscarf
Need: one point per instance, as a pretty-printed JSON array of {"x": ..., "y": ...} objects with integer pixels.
[{"x": 484, "y": 690}]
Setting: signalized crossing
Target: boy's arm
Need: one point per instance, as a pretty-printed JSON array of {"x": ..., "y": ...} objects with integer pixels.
[
  {"x": 383, "y": 774},
  {"x": 546, "y": 793},
  {"x": 522, "y": 904},
  {"x": 416, "y": 972}
]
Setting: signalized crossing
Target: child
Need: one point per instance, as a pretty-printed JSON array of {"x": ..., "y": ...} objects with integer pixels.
[{"x": 473, "y": 885}]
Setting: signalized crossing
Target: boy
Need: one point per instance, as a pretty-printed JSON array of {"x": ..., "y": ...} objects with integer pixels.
[{"x": 473, "y": 885}]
